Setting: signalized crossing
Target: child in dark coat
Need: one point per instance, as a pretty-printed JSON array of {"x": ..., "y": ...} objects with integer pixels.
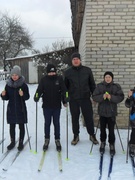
[
  {"x": 16, "y": 92},
  {"x": 130, "y": 103},
  {"x": 108, "y": 94},
  {"x": 53, "y": 91}
]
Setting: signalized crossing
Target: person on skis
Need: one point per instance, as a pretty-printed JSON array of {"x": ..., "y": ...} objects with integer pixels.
[
  {"x": 16, "y": 92},
  {"x": 107, "y": 94},
  {"x": 130, "y": 103},
  {"x": 80, "y": 84},
  {"x": 53, "y": 91}
]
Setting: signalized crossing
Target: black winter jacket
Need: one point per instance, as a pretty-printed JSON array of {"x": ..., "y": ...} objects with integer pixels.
[
  {"x": 16, "y": 108},
  {"x": 108, "y": 108},
  {"x": 52, "y": 90},
  {"x": 79, "y": 82}
]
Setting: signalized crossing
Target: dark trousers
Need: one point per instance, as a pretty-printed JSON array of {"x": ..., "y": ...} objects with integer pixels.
[
  {"x": 12, "y": 131},
  {"x": 86, "y": 107},
  {"x": 104, "y": 121},
  {"x": 132, "y": 136},
  {"x": 48, "y": 115}
]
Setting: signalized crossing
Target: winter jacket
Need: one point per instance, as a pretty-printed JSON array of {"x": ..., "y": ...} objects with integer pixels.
[
  {"x": 108, "y": 108},
  {"x": 130, "y": 103},
  {"x": 79, "y": 82},
  {"x": 16, "y": 108},
  {"x": 52, "y": 90}
]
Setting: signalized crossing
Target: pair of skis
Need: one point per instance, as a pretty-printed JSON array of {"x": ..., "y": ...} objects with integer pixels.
[
  {"x": 101, "y": 165},
  {"x": 43, "y": 159},
  {"x": 14, "y": 157}
]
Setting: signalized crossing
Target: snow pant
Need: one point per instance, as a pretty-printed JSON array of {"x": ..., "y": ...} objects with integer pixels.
[
  {"x": 104, "y": 121},
  {"x": 12, "y": 131},
  {"x": 50, "y": 113},
  {"x": 132, "y": 136},
  {"x": 85, "y": 106}
]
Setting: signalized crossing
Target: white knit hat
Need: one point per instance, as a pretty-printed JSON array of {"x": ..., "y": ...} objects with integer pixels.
[{"x": 16, "y": 70}]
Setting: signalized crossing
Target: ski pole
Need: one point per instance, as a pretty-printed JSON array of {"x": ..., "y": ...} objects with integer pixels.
[
  {"x": 3, "y": 126},
  {"x": 36, "y": 124},
  {"x": 25, "y": 120},
  {"x": 128, "y": 137},
  {"x": 67, "y": 124},
  {"x": 120, "y": 138},
  {"x": 28, "y": 137},
  {"x": 95, "y": 134}
]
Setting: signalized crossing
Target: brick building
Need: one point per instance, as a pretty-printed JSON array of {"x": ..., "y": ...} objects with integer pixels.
[{"x": 106, "y": 41}]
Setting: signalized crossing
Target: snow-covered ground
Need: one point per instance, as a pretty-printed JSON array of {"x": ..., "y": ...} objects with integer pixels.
[{"x": 81, "y": 165}]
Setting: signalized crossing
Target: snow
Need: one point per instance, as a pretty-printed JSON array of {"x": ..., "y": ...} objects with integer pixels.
[{"x": 80, "y": 165}]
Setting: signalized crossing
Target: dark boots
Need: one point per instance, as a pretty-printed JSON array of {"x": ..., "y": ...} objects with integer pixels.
[
  {"x": 102, "y": 147},
  {"x": 75, "y": 140},
  {"x": 20, "y": 146},
  {"x": 46, "y": 144},
  {"x": 58, "y": 145},
  {"x": 112, "y": 149},
  {"x": 11, "y": 145},
  {"x": 132, "y": 150},
  {"x": 93, "y": 139}
]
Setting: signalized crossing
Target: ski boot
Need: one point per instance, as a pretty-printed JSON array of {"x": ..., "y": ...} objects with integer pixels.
[
  {"x": 132, "y": 150},
  {"x": 112, "y": 149},
  {"x": 75, "y": 140},
  {"x": 102, "y": 147},
  {"x": 11, "y": 145},
  {"x": 20, "y": 146},
  {"x": 58, "y": 145},
  {"x": 93, "y": 139},
  {"x": 45, "y": 146}
]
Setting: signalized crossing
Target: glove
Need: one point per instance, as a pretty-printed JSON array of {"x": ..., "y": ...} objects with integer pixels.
[{"x": 36, "y": 99}]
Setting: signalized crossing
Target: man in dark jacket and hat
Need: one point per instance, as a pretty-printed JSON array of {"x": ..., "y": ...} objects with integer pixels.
[
  {"x": 80, "y": 84},
  {"x": 53, "y": 91}
]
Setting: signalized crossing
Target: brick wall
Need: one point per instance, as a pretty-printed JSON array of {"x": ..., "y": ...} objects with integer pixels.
[{"x": 107, "y": 42}]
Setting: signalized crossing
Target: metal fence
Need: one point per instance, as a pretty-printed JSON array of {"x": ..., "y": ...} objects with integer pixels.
[{"x": 4, "y": 75}]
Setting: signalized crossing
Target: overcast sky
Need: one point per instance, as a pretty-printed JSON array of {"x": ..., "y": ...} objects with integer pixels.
[{"x": 48, "y": 20}]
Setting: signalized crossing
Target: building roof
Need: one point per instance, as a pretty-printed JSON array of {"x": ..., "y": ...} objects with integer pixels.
[{"x": 77, "y": 10}]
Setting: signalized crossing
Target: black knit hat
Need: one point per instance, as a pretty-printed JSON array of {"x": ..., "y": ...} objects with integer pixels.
[
  {"x": 108, "y": 73},
  {"x": 76, "y": 55},
  {"x": 51, "y": 68}
]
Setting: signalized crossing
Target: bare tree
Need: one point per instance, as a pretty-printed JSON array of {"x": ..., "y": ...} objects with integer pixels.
[
  {"x": 58, "y": 45},
  {"x": 14, "y": 38}
]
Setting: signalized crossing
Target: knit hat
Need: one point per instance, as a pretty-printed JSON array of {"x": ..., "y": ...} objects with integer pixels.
[
  {"x": 108, "y": 73},
  {"x": 76, "y": 55},
  {"x": 51, "y": 68},
  {"x": 16, "y": 70}
]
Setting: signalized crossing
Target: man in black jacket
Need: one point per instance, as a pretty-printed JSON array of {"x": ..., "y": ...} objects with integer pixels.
[
  {"x": 52, "y": 90},
  {"x": 80, "y": 84}
]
